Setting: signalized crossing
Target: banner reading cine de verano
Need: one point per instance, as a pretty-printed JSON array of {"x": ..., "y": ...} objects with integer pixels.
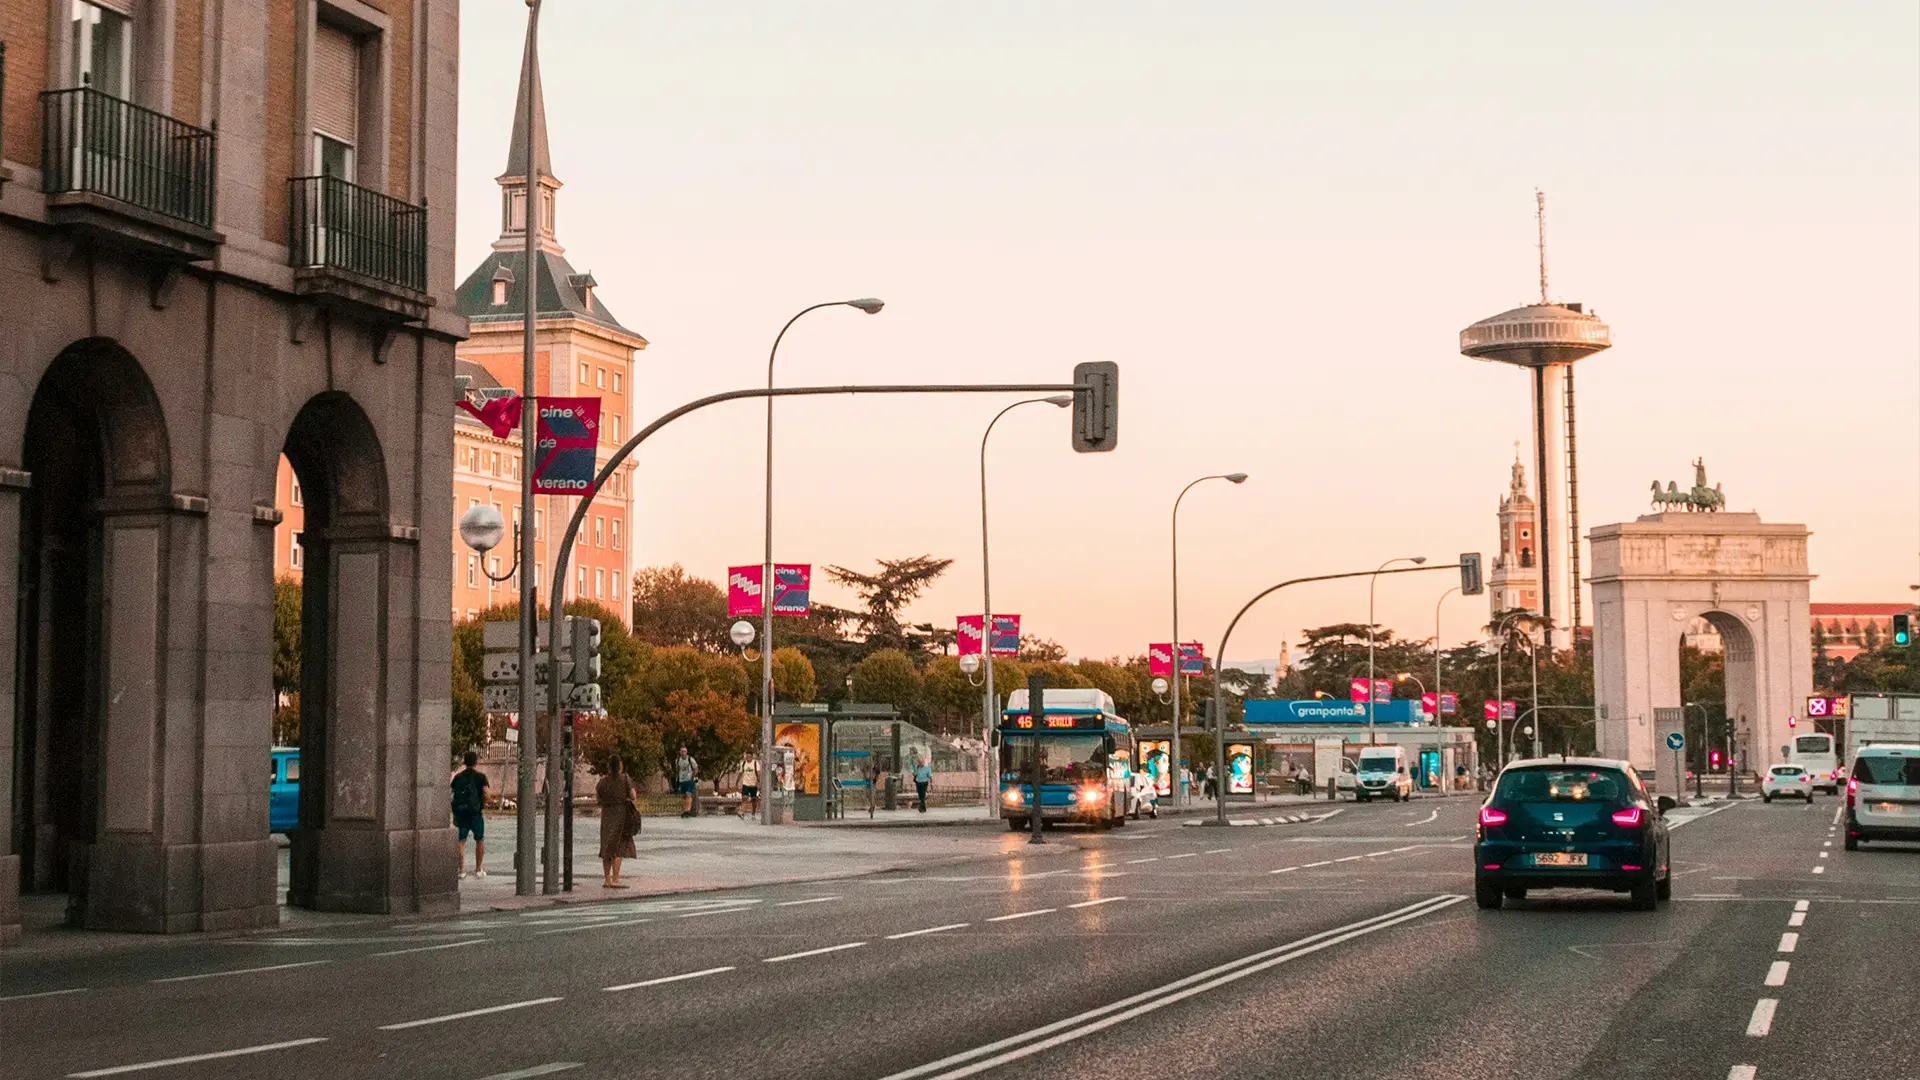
[
  {"x": 969, "y": 630},
  {"x": 791, "y": 589},
  {"x": 566, "y": 434}
]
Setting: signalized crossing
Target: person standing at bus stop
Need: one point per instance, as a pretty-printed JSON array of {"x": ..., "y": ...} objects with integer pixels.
[
  {"x": 470, "y": 811},
  {"x": 922, "y": 776}
]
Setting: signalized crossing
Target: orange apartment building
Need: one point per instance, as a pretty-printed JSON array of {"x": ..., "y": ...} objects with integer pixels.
[{"x": 580, "y": 350}]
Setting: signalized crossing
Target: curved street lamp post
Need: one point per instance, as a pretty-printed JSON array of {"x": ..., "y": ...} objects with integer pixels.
[
  {"x": 1416, "y": 560},
  {"x": 1178, "y": 790}
]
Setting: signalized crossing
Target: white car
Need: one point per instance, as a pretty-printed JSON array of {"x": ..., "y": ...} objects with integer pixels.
[
  {"x": 1883, "y": 794},
  {"x": 1787, "y": 781}
]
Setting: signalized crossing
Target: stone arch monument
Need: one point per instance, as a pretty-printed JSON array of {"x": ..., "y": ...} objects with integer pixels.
[{"x": 1653, "y": 576}]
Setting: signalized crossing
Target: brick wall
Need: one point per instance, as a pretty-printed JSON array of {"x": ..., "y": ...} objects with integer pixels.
[{"x": 23, "y": 26}]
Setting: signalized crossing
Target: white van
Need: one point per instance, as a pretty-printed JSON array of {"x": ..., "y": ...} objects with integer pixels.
[
  {"x": 1382, "y": 772},
  {"x": 1883, "y": 794}
]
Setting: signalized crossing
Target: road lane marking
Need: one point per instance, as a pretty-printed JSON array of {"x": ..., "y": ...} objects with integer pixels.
[
  {"x": 1350, "y": 858},
  {"x": 45, "y": 993},
  {"x": 994, "y": 1054},
  {"x": 1182, "y": 855},
  {"x": 118, "y": 1070},
  {"x": 240, "y": 971},
  {"x": 809, "y": 900},
  {"x": 1819, "y": 869},
  {"x": 1311, "y": 865},
  {"x": 488, "y": 1011},
  {"x": 1762, "y": 1021},
  {"x": 1826, "y": 854},
  {"x": 715, "y": 911},
  {"x": 1422, "y": 821},
  {"x": 1377, "y": 854},
  {"x": 1217, "y": 851},
  {"x": 1283, "y": 870},
  {"x": 593, "y": 926},
  {"x": 1677, "y": 822},
  {"x": 536, "y": 1070},
  {"x": 664, "y": 979},
  {"x": 1742, "y": 1072},
  {"x": 1826, "y": 843},
  {"x": 1797, "y": 918},
  {"x": 432, "y": 948},
  {"x": 1023, "y": 914},
  {"x": 928, "y": 930},
  {"x": 1150, "y": 858},
  {"x": 1836, "y": 815},
  {"x": 1097, "y": 903},
  {"x": 1777, "y": 973},
  {"x": 1802, "y": 905},
  {"x": 1789, "y": 941},
  {"x": 812, "y": 952}
]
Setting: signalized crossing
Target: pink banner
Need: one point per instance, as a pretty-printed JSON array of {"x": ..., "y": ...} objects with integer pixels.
[
  {"x": 1491, "y": 708},
  {"x": 967, "y": 632},
  {"x": 1160, "y": 660},
  {"x": 1357, "y": 689},
  {"x": 743, "y": 591},
  {"x": 790, "y": 594},
  {"x": 1427, "y": 703}
]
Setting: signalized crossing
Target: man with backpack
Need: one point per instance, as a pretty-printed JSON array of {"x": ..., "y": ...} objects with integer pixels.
[
  {"x": 686, "y": 777},
  {"x": 470, "y": 812}
]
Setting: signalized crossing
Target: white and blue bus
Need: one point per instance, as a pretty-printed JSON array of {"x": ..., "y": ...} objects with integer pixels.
[{"x": 1085, "y": 754}]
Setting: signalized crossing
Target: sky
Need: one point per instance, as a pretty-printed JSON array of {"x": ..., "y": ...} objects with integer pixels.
[{"x": 1275, "y": 217}]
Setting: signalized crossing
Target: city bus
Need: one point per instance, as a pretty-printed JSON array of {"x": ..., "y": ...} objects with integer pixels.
[
  {"x": 1814, "y": 751},
  {"x": 1085, "y": 752}
]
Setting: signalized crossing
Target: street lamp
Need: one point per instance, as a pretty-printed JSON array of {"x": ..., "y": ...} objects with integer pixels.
[
  {"x": 1160, "y": 686},
  {"x": 1437, "y": 711},
  {"x": 1373, "y": 580},
  {"x": 871, "y": 307},
  {"x": 1179, "y": 794},
  {"x": 529, "y": 589}
]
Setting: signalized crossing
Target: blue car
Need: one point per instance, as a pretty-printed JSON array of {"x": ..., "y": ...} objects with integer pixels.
[
  {"x": 1572, "y": 823},
  {"x": 283, "y": 799}
]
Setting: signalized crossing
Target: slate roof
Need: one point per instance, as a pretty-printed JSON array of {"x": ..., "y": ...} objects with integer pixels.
[{"x": 561, "y": 292}]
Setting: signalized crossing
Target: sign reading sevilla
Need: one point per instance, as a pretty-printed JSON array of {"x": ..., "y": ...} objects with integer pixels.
[
  {"x": 567, "y": 433},
  {"x": 791, "y": 582}
]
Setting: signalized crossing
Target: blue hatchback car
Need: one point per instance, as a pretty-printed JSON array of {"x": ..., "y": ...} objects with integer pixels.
[
  {"x": 283, "y": 799},
  {"x": 1572, "y": 823}
]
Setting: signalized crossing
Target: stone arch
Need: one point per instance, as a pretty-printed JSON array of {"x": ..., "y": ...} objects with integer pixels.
[{"x": 96, "y": 543}]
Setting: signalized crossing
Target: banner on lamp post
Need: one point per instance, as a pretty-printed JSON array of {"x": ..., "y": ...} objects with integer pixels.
[
  {"x": 1193, "y": 659},
  {"x": 1357, "y": 690},
  {"x": 1449, "y": 703},
  {"x": 1509, "y": 710},
  {"x": 1491, "y": 708},
  {"x": 567, "y": 432},
  {"x": 968, "y": 631},
  {"x": 1160, "y": 660},
  {"x": 1005, "y": 640},
  {"x": 790, "y": 592},
  {"x": 1382, "y": 691},
  {"x": 1428, "y": 702}
]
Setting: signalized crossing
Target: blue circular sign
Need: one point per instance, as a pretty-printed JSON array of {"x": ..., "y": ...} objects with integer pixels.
[{"x": 1676, "y": 741}]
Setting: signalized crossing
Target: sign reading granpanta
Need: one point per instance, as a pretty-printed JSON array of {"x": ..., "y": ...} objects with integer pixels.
[{"x": 566, "y": 433}]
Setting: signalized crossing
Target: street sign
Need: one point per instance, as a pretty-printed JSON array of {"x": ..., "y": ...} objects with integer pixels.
[
  {"x": 568, "y": 431},
  {"x": 1676, "y": 740},
  {"x": 504, "y": 667},
  {"x": 507, "y": 698},
  {"x": 504, "y": 634}
]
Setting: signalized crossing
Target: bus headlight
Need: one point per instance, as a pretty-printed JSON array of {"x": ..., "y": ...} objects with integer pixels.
[
  {"x": 1012, "y": 797},
  {"x": 1090, "y": 795}
]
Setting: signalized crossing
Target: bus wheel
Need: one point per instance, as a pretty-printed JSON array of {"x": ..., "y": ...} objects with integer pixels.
[{"x": 1015, "y": 824}]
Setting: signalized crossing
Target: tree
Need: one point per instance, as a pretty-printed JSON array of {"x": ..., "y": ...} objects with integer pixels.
[
  {"x": 714, "y": 727},
  {"x": 1039, "y": 648},
  {"x": 601, "y": 738},
  {"x": 886, "y": 595},
  {"x": 793, "y": 675},
  {"x": 949, "y": 701},
  {"x": 888, "y": 677},
  {"x": 672, "y": 608},
  {"x": 287, "y": 602},
  {"x": 469, "y": 714}
]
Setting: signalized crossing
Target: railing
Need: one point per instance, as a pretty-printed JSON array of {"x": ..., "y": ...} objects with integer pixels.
[
  {"x": 343, "y": 226},
  {"x": 95, "y": 142}
]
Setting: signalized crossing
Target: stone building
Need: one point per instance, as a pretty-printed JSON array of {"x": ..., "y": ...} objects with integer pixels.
[
  {"x": 226, "y": 234},
  {"x": 1515, "y": 580}
]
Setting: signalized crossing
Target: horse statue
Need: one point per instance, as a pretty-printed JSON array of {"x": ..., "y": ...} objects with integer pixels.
[
  {"x": 1701, "y": 498},
  {"x": 1672, "y": 496}
]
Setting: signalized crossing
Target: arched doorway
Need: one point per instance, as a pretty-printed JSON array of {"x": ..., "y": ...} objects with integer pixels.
[{"x": 94, "y": 546}]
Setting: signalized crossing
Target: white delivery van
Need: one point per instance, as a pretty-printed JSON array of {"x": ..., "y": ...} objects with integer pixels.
[{"x": 1382, "y": 773}]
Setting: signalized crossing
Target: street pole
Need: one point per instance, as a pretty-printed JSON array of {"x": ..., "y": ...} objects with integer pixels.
[
  {"x": 990, "y": 701},
  {"x": 529, "y": 415},
  {"x": 1180, "y": 794},
  {"x": 1535, "y": 653},
  {"x": 870, "y": 306},
  {"x": 1438, "y": 712},
  {"x": 1036, "y": 708},
  {"x": 1373, "y": 740}
]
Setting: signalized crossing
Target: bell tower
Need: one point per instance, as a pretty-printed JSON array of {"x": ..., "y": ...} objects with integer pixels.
[{"x": 1515, "y": 581}]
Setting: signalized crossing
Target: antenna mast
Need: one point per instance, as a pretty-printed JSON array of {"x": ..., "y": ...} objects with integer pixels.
[{"x": 1540, "y": 225}]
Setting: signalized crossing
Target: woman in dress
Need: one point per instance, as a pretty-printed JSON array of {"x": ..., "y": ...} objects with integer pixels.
[{"x": 619, "y": 820}]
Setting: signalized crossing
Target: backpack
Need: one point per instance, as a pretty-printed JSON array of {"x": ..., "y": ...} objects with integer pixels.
[{"x": 467, "y": 796}]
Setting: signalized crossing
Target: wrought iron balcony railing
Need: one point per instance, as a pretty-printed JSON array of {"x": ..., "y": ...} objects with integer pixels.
[
  {"x": 96, "y": 143},
  {"x": 342, "y": 226}
]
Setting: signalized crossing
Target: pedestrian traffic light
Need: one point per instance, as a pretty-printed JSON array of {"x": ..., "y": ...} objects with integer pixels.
[
  {"x": 1793, "y": 721},
  {"x": 585, "y": 648},
  {"x": 1903, "y": 629},
  {"x": 1714, "y": 759},
  {"x": 1470, "y": 583},
  {"x": 1096, "y": 406}
]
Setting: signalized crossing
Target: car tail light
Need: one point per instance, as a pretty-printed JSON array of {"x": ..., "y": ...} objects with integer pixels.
[
  {"x": 1629, "y": 817},
  {"x": 1853, "y": 785},
  {"x": 1630, "y": 866},
  {"x": 1490, "y": 816}
]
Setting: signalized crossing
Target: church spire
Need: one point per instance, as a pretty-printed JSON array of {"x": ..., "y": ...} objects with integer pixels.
[{"x": 513, "y": 182}]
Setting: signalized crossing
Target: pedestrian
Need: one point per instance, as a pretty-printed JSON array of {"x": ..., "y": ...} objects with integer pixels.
[
  {"x": 470, "y": 812},
  {"x": 750, "y": 786},
  {"x": 1206, "y": 782},
  {"x": 686, "y": 775},
  {"x": 619, "y": 821},
  {"x": 922, "y": 776}
]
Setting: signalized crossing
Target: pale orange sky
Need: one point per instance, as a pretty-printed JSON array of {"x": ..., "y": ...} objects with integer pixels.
[{"x": 1276, "y": 218}]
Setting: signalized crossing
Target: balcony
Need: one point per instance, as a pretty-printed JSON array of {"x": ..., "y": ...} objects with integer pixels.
[
  {"x": 128, "y": 175},
  {"x": 354, "y": 246}
]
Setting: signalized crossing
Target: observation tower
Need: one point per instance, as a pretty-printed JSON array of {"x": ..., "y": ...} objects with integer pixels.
[{"x": 1545, "y": 339}]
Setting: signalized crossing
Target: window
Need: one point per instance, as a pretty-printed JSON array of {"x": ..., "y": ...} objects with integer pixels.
[
  {"x": 584, "y": 374},
  {"x": 299, "y": 497},
  {"x": 616, "y": 534},
  {"x": 516, "y": 519},
  {"x": 296, "y": 557},
  {"x": 600, "y": 378},
  {"x": 473, "y": 571},
  {"x": 517, "y": 211},
  {"x": 335, "y": 100},
  {"x": 579, "y": 581},
  {"x": 474, "y": 613},
  {"x": 496, "y": 463},
  {"x": 493, "y": 570},
  {"x": 499, "y": 293},
  {"x": 599, "y": 531},
  {"x": 102, "y": 49},
  {"x": 537, "y": 522},
  {"x": 616, "y": 427},
  {"x": 616, "y": 382},
  {"x": 599, "y": 583},
  {"x": 293, "y": 768}
]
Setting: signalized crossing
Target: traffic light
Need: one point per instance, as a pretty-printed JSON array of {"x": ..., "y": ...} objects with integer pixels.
[
  {"x": 1470, "y": 583},
  {"x": 1096, "y": 406},
  {"x": 585, "y": 648},
  {"x": 1714, "y": 759},
  {"x": 1903, "y": 629},
  {"x": 1793, "y": 721}
]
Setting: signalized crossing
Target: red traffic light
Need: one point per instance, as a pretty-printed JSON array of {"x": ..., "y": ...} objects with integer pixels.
[
  {"x": 1793, "y": 721},
  {"x": 1714, "y": 758}
]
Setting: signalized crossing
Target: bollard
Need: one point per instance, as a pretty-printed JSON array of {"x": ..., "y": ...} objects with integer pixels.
[{"x": 1333, "y": 789}]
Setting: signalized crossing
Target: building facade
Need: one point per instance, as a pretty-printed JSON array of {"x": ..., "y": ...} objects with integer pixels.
[
  {"x": 1515, "y": 580},
  {"x": 226, "y": 236}
]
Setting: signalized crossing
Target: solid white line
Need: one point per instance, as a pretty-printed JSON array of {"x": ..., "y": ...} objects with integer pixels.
[
  {"x": 1350, "y": 858},
  {"x": 470, "y": 1012},
  {"x": 1097, "y": 903},
  {"x": 1283, "y": 870},
  {"x": 431, "y": 948},
  {"x": 1777, "y": 973},
  {"x": 666, "y": 979},
  {"x": 1422, "y": 821},
  {"x": 1182, "y": 855},
  {"x": 1819, "y": 869},
  {"x": 190, "y": 1059},
  {"x": 1789, "y": 941},
  {"x": 1311, "y": 865},
  {"x": 1762, "y": 1021},
  {"x": 928, "y": 930},
  {"x": 1742, "y": 1072},
  {"x": 592, "y": 926},
  {"x": 812, "y": 952},
  {"x": 809, "y": 900},
  {"x": 1217, "y": 851},
  {"x": 1797, "y": 918},
  {"x": 1105, "y": 1016},
  {"x": 45, "y": 993},
  {"x": 240, "y": 971},
  {"x": 1802, "y": 905},
  {"x": 1150, "y": 858},
  {"x": 536, "y": 1070},
  {"x": 1023, "y": 914}
]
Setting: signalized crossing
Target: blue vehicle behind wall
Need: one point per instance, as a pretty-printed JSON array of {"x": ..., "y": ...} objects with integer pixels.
[{"x": 283, "y": 799}]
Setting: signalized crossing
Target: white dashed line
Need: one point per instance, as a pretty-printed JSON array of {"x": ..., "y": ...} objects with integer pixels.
[
  {"x": 1742, "y": 1072},
  {"x": 1023, "y": 914},
  {"x": 1217, "y": 851},
  {"x": 1097, "y": 903},
  {"x": 1802, "y": 905},
  {"x": 592, "y": 926},
  {"x": 813, "y": 952},
  {"x": 1826, "y": 843},
  {"x": 532, "y": 1071},
  {"x": 490, "y": 1010},
  {"x": 1789, "y": 941},
  {"x": 666, "y": 979},
  {"x": 240, "y": 971},
  {"x": 1150, "y": 858},
  {"x": 928, "y": 930},
  {"x": 1777, "y": 973},
  {"x": 1283, "y": 870},
  {"x": 1350, "y": 858},
  {"x": 1377, "y": 854},
  {"x": 432, "y": 948},
  {"x": 45, "y": 993},
  {"x": 1825, "y": 854},
  {"x": 809, "y": 900},
  {"x": 714, "y": 911},
  {"x": 1762, "y": 1021},
  {"x": 1819, "y": 869},
  {"x": 1182, "y": 855},
  {"x": 190, "y": 1059},
  {"x": 1797, "y": 918},
  {"x": 1311, "y": 865}
]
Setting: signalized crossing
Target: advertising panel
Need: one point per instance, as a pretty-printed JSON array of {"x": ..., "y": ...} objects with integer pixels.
[
  {"x": 1160, "y": 660},
  {"x": 1239, "y": 768},
  {"x": 1328, "y": 711},
  {"x": 1193, "y": 659},
  {"x": 1357, "y": 689},
  {"x": 1006, "y": 635},
  {"x": 803, "y": 742},
  {"x": 1153, "y": 758},
  {"x": 967, "y": 633},
  {"x": 1449, "y": 703},
  {"x": 567, "y": 431},
  {"x": 790, "y": 592}
]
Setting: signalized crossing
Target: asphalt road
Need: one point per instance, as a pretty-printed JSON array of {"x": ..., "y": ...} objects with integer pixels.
[{"x": 1343, "y": 948}]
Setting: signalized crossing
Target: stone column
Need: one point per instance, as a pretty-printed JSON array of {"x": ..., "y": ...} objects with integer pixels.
[{"x": 13, "y": 486}]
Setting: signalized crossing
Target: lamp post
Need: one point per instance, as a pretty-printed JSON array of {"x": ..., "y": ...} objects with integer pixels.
[
  {"x": 871, "y": 307},
  {"x": 1179, "y": 793},
  {"x": 529, "y": 414},
  {"x": 1437, "y": 711},
  {"x": 1373, "y": 580},
  {"x": 1500, "y": 679}
]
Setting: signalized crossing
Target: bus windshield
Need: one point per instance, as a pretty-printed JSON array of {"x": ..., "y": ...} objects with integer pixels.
[
  {"x": 1813, "y": 744},
  {"x": 1064, "y": 759}
]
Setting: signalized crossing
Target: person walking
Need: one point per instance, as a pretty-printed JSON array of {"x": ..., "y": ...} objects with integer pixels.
[
  {"x": 619, "y": 821},
  {"x": 686, "y": 776},
  {"x": 922, "y": 776},
  {"x": 750, "y": 787},
  {"x": 470, "y": 812}
]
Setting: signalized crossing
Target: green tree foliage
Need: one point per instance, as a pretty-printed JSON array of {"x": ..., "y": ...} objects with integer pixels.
[
  {"x": 793, "y": 675},
  {"x": 885, "y": 596},
  {"x": 714, "y": 727},
  {"x": 888, "y": 677},
  {"x": 469, "y": 715},
  {"x": 671, "y": 607},
  {"x": 1039, "y": 648},
  {"x": 949, "y": 701},
  {"x": 603, "y": 738},
  {"x": 287, "y": 599}
]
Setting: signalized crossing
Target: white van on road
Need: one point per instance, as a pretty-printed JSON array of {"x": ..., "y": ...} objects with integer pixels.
[
  {"x": 1382, "y": 773},
  {"x": 1883, "y": 794}
]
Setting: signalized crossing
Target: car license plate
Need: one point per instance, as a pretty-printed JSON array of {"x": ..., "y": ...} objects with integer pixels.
[
  {"x": 1888, "y": 808},
  {"x": 1560, "y": 858}
]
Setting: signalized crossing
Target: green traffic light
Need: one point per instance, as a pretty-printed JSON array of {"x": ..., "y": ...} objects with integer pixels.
[{"x": 1903, "y": 629}]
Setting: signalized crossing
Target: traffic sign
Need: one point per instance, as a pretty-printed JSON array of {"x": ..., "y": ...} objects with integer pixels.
[
  {"x": 1676, "y": 740},
  {"x": 504, "y": 667}
]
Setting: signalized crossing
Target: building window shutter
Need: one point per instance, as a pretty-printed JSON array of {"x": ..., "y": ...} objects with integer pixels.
[{"x": 336, "y": 84}]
